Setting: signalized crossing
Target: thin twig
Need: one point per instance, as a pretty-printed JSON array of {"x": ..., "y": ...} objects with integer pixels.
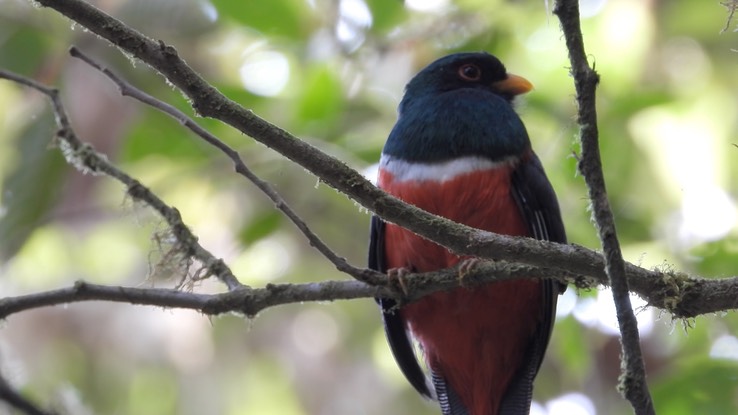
[
  {"x": 732, "y": 6},
  {"x": 126, "y": 89},
  {"x": 632, "y": 383},
  {"x": 13, "y": 398},
  {"x": 251, "y": 301},
  {"x": 83, "y": 157}
]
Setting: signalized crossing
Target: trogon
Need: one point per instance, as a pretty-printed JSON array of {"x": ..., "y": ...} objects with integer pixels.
[{"x": 459, "y": 150}]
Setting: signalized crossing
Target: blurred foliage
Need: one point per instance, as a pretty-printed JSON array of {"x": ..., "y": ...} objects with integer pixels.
[{"x": 332, "y": 73}]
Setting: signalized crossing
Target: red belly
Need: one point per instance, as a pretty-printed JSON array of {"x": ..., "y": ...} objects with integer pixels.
[{"x": 475, "y": 337}]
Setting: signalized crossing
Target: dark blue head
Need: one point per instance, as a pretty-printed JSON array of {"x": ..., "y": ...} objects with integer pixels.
[{"x": 460, "y": 105}]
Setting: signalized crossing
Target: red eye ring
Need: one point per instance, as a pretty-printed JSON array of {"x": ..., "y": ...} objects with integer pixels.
[{"x": 470, "y": 72}]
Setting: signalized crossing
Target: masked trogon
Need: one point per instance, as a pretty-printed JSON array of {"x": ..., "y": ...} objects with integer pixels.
[{"x": 460, "y": 151}]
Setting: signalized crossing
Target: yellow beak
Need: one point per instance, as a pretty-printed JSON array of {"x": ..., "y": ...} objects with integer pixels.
[{"x": 513, "y": 85}]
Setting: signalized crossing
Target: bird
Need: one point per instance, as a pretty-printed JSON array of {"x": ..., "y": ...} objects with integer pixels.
[{"x": 460, "y": 150}]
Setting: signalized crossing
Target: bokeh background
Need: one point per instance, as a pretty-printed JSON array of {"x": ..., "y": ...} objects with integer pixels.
[{"x": 332, "y": 73}]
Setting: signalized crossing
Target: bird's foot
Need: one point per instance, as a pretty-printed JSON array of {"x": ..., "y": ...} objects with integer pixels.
[
  {"x": 397, "y": 276},
  {"x": 466, "y": 266}
]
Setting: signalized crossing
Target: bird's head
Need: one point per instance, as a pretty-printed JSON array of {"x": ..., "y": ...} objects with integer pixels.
[
  {"x": 479, "y": 70},
  {"x": 460, "y": 105}
]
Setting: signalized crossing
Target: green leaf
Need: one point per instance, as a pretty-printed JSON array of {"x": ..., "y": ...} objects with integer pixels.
[
  {"x": 717, "y": 258},
  {"x": 158, "y": 133},
  {"x": 32, "y": 188},
  {"x": 386, "y": 14},
  {"x": 261, "y": 226},
  {"x": 572, "y": 349},
  {"x": 321, "y": 100},
  {"x": 23, "y": 49},
  {"x": 700, "y": 386},
  {"x": 288, "y": 18}
]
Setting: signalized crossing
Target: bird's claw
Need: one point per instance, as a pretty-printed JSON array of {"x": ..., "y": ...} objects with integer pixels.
[
  {"x": 397, "y": 275},
  {"x": 465, "y": 267}
]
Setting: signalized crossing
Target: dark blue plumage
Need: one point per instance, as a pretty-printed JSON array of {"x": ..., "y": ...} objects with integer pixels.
[{"x": 439, "y": 117}]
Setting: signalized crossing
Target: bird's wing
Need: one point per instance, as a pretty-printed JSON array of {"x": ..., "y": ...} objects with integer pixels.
[
  {"x": 394, "y": 326},
  {"x": 537, "y": 201}
]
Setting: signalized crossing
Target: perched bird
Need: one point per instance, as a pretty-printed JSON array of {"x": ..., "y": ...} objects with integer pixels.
[{"x": 460, "y": 151}]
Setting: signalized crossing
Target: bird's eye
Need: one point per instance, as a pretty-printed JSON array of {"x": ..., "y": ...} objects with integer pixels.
[{"x": 470, "y": 72}]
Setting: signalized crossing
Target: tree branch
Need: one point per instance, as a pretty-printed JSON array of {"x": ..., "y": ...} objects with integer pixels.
[
  {"x": 209, "y": 102},
  {"x": 673, "y": 291},
  {"x": 251, "y": 301},
  {"x": 676, "y": 293},
  {"x": 633, "y": 379},
  {"x": 693, "y": 296},
  {"x": 247, "y": 301}
]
